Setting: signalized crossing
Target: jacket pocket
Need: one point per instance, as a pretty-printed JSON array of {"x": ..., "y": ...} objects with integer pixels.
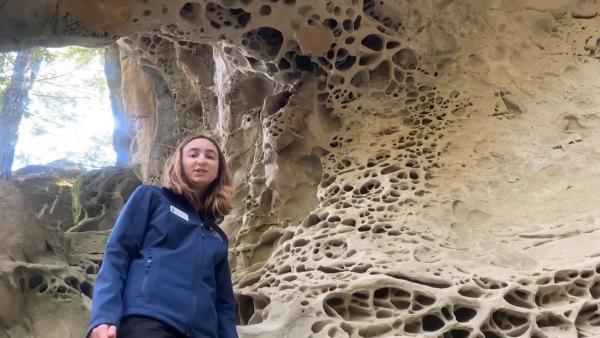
[
  {"x": 205, "y": 318},
  {"x": 146, "y": 279}
]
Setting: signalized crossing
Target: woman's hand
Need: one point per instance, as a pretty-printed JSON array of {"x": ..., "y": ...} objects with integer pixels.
[{"x": 104, "y": 331}]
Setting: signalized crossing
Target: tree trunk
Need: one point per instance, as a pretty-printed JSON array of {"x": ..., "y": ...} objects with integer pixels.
[
  {"x": 122, "y": 131},
  {"x": 14, "y": 105}
]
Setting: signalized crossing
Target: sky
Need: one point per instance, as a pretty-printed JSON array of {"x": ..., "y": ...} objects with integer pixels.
[{"x": 69, "y": 114}]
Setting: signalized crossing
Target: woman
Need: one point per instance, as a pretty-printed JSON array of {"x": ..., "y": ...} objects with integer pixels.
[{"x": 165, "y": 271}]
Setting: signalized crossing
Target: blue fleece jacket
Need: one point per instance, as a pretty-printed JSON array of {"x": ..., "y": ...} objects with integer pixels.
[{"x": 164, "y": 261}]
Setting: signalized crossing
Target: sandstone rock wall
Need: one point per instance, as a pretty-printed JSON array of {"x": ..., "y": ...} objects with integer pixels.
[
  {"x": 402, "y": 168},
  {"x": 44, "y": 292}
]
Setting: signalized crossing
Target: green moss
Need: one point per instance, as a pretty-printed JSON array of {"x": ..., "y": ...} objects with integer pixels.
[{"x": 78, "y": 212}]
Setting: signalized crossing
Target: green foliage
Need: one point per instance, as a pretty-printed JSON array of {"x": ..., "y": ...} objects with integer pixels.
[
  {"x": 80, "y": 55},
  {"x": 78, "y": 212},
  {"x": 57, "y": 89},
  {"x": 65, "y": 95},
  {"x": 7, "y": 62}
]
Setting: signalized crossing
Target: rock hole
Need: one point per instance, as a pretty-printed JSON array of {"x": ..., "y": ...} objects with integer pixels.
[
  {"x": 334, "y": 307},
  {"x": 424, "y": 300},
  {"x": 357, "y": 22},
  {"x": 471, "y": 292},
  {"x": 369, "y": 186},
  {"x": 300, "y": 242},
  {"x": 303, "y": 62},
  {"x": 400, "y": 304},
  {"x": 265, "y": 10},
  {"x": 507, "y": 321},
  {"x": 72, "y": 282},
  {"x": 43, "y": 288},
  {"x": 283, "y": 64},
  {"x": 595, "y": 290},
  {"x": 331, "y": 23},
  {"x": 519, "y": 298},
  {"x": 35, "y": 281},
  {"x": 405, "y": 59},
  {"x": 392, "y": 44},
  {"x": 366, "y": 60},
  {"x": 412, "y": 327},
  {"x": 87, "y": 289},
  {"x": 550, "y": 320},
  {"x": 381, "y": 72},
  {"x": 491, "y": 334},
  {"x": 457, "y": 333},
  {"x": 377, "y": 330},
  {"x": 189, "y": 11},
  {"x": 432, "y": 323},
  {"x": 464, "y": 314},
  {"x": 360, "y": 79},
  {"x": 373, "y": 42},
  {"x": 382, "y": 293},
  {"x": 345, "y": 63},
  {"x": 245, "y": 309},
  {"x": 318, "y": 326}
]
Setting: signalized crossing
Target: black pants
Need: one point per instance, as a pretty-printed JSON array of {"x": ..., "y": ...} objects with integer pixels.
[{"x": 145, "y": 327}]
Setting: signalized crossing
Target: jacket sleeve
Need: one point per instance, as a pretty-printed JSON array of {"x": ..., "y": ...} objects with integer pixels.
[
  {"x": 225, "y": 301},
  {"x": 123, "y": 243}
]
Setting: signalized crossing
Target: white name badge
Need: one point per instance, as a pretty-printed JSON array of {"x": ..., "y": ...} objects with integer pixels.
[{"x": 179, "y": 213}]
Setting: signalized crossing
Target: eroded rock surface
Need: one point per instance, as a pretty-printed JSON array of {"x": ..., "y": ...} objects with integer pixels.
[
  {"x": 98, "y": 195},
  {"x": 402, "y": 168},
  {"x": 22, "y": 234},
  {"x": 55, "y": 223},
  {"x": 47, "y": 191},
  {"x": 41, "y": 294}
]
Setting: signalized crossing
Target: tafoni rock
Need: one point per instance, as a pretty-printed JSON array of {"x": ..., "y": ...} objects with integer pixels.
[{"x": 406, "y": 168}]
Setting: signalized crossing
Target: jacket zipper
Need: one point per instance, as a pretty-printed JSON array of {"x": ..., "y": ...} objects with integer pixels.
[
  {"x": 194, "y": 286},
  {"x": 148, "y": 265},
  {"x": 195, "y": 305}
]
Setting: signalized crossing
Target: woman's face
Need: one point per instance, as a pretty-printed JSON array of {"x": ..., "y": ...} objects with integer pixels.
[{"x": 200, "y": 162}]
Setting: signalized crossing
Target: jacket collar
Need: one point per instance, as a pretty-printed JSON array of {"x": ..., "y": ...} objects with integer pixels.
[{"x": 209, "y": 219}]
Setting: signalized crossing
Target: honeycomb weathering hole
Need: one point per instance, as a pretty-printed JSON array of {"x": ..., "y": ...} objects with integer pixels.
[
  {"x": 405, "y": 59},
  {"x": 190, "y": 11}
]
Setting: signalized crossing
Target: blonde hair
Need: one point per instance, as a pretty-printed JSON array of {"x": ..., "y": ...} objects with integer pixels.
[{"x": 217, "y": 197}]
